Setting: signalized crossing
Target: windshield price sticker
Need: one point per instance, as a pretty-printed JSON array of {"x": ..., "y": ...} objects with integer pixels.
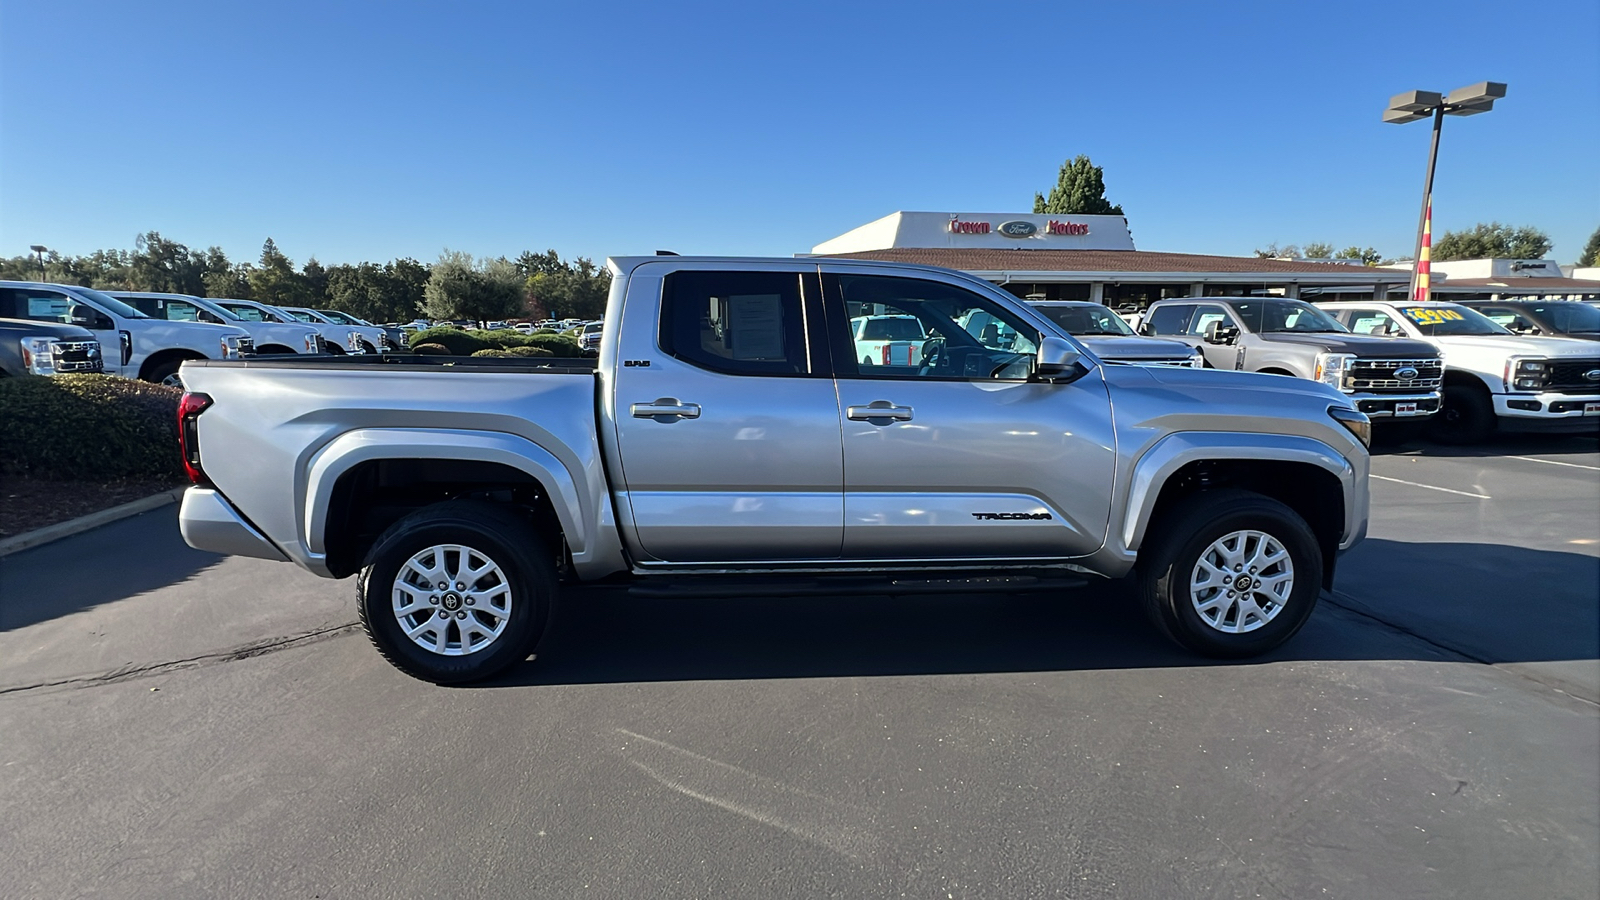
[{"x": 1423, "y": 316}]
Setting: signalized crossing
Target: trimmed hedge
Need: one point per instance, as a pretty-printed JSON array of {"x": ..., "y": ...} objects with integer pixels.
[
  {"x": 88, "y": 427},
  {"x": 431, "y": 349},
  {"x": 466, "y": 343},
  {"x": 498, "y": 354}
]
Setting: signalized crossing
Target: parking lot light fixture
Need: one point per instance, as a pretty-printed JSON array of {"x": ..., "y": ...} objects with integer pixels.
[
  {"x": 1414, "y": 105},
  {"x": 39, "y": 251}
]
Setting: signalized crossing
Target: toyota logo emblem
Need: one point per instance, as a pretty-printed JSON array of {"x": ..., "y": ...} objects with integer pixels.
[
  {"x": 1592, "y": 375},
  {"x": 1406, "y": 374}
]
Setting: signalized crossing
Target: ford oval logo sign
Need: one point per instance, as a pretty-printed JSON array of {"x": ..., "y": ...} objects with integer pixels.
[
  {"x": 1406, "y": 374},
  {"x": 1018, "y": 228},
  {"x": 1592, "y": 375}
]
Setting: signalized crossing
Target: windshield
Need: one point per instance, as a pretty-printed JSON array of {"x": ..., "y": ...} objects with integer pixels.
[
  {"x": 1284, "y": 317},
  {"x": 592, "y": 327},
  {"x": 1085, "y": 319},
  {"x": 1569, "y": 316},
  {"x": 304, "y": 316},
  {"x": 1449, "y": 319},
  {"x": 248, "y": 313},
  {"x": 111, "y": 303},
  {"x": 340, "y": 317}
]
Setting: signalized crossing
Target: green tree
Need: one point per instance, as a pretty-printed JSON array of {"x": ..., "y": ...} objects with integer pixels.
[
  {"x": 1318, "y": 250},
  {"x": 392, "y": 292},
  {"x": 1080, "y": 190},
  {"x": 564, "y": 290},
  {"x": 1591, "y": 251},
  {"x": 1368, "y": 255},
  {"x": 314, "y": 283},
  {"x": 460, "y": 287},
  {"x": 274, "y": 280},
  {"x": 1493, "y": 241},
  {"x": 1273, "y": 251},
  {"x": 159, "y": 264}
]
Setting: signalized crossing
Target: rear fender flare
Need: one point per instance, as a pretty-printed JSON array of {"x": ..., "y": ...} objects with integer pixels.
[{"x": 369, "y": 444}]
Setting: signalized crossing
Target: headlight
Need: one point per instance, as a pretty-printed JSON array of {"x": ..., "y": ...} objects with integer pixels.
[
  {"x": 1354, "y": 420},
  {"x": 230, "y": 346},
  {"x": 311, "y": 342},
  {"x": 1527, "y": 374},
  {"x": 352, "y": 342},
  {"x": 1331, "y": 368},
  {"x": 1197, "y": 361},
  {"x": 37, "y": 357}
]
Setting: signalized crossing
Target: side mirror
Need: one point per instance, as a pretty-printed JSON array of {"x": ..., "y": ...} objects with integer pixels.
[
  {"x": 1057, "y": 360},
  {"x": 1221, "y": 333}
]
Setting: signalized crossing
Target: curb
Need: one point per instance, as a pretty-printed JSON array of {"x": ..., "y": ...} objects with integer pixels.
[{"x": 39, "y": 536}]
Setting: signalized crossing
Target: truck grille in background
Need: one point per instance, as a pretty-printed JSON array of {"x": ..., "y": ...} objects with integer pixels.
[
  {"x": 247, "y": 346},
  {"x": 1566, "y": 376},
  {"x": 77, "y": 356},
  {"x": 1378, "y": 374},
  {"x": 1181, "y": 362},
  {"x": 322, "y": 344}
]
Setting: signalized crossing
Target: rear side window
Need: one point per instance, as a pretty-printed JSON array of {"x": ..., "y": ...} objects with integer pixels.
[
  {"x": 1169, "y": 319},
  {"x": 741, "y": 323}
]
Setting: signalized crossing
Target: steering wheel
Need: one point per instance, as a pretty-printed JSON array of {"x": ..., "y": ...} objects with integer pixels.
[{"x": 935, "y": 356}]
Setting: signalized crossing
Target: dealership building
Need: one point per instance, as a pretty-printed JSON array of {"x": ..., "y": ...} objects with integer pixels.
[{"x": 1058, "y": 257}]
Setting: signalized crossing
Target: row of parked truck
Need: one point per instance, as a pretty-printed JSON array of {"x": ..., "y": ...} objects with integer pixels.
[
  {"x": 57, "y": 328},
  {"x": 1465, "y": 369}
]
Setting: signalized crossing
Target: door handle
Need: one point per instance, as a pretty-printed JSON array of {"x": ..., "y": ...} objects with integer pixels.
[
  {"x": 879, "y": 412},
  {"x": 665, "y": 409}
]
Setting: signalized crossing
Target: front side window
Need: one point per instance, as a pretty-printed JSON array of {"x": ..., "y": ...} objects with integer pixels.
[
  {"x": 1373, "y": 321},
  {"x": 913, "y": 328},
  {"x": 1205, "y": 317},
  {"x": 1570, "y": 317},
  {"x": 245, "y": 312},
  {"x": 1285, "y": 316},
  {"x": 1172, "y": 319},
  {"x": 740, "y": 323}
]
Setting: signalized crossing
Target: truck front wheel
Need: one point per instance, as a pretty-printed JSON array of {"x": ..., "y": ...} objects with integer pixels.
[
  {"x": 1467, "y": 416},
  {"x": 457, "y": 591},
  {"x": 1230, "y": 573}
]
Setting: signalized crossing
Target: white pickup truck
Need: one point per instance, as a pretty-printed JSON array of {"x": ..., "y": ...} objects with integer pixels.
[
  {"x": 1494, "y": 379},
  {"x": 888, "y": 340},
  {"x": 134, "y": 345},
  {"x": 729, "y": 441}
]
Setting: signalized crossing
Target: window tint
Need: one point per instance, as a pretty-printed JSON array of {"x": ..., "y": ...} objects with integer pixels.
[
  {"x": 742, "y": 323},
  {"x": 930, "y": 330},
  {"x": 1569, "y": 316},
  {"x": 1085, "y": 319},
  {"x": 44, "y": 306}
]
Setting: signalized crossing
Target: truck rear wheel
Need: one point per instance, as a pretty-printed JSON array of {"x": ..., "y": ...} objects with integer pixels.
[
  {"x": 1230, "y": 573},
  {"x": 457, "y": 591}
]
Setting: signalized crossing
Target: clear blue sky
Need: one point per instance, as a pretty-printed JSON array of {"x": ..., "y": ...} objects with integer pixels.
[{"x": 368, "y": 131}]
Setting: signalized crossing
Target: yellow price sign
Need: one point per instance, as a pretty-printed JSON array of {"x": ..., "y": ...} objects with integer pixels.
[{"x": 1425, "y": 316}]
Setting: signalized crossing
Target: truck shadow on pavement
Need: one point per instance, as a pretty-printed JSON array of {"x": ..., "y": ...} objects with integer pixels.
[
  {"x": 110, "y": 563},
  {"x": 1393, "y": 600},
  {"x": 1410, "y": 442}
]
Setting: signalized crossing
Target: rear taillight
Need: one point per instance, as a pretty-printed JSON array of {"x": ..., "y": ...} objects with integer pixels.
[{"x": 189, "y": 410}]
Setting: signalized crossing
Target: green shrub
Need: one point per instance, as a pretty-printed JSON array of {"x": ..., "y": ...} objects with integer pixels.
[
  {"x": 454, "y": 340},
  {"x": 498, "y": 354},
  {"x": 529, "y": 351},
  {"x": 430, "y": 349},
  {"x": 88, "y": 427}
]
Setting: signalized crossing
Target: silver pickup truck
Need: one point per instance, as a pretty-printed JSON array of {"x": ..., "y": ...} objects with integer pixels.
[{"x": 727, "y": 441}]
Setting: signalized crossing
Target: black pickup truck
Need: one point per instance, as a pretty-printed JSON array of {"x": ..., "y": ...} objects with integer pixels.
[{"x": 43, "y": 348}]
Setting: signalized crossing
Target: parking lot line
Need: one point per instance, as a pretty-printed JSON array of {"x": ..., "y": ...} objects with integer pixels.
[
  {"x": 1433, "y": 488},
  {"x": 1552, "y": 462}
]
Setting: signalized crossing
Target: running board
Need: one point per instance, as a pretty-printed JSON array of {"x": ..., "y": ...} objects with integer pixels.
[{"x": 832, "y": 586}]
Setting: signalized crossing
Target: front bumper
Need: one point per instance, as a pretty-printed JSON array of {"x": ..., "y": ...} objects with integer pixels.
[
  {"x": 209, "y": 522},
  {"x": 1550, "y": 412},
  {"x": 1397, "y": 406}
]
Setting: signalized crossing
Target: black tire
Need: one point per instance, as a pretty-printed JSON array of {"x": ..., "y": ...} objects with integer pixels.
[
  {"x": 334, "y": 350},
  {"x": 1466, "y": 417},
  {"x": 497, "y": 532},
  {"x": 162, "y": 373},
  {"x": 368, "y": 348},
  {"x": 1172, "y": 550}
]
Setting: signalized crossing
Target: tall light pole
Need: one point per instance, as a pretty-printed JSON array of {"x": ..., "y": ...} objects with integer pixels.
[
  {"x": 1414, "y": 105},
  {"x": 40, "y": 250}
]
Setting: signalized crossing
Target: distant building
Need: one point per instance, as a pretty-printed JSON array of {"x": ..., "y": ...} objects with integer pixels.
[{"x": 1057, "y": 257}]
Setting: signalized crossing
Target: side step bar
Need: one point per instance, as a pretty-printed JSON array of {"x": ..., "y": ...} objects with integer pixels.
[{"x": 817, "y": 586}]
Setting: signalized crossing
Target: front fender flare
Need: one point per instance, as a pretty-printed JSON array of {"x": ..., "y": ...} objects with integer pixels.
[
  {"x": 1175, "y": 451},
  {"x": 365, "y": 445}
]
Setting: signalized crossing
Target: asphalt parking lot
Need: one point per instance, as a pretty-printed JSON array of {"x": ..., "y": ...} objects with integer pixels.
[{"x": 177, "y": 724}]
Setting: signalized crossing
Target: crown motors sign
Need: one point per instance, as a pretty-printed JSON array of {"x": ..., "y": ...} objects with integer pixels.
[{"x": 1016, "y": 228}]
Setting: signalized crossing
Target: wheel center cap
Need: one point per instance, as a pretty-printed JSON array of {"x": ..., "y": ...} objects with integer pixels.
[
  {"x": 1243, "y": 583},
  {"x": 452, "y": 601}
]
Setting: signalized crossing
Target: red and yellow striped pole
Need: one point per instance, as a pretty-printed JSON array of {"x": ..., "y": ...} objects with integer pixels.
[{"x": 1424, "y": 269}]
